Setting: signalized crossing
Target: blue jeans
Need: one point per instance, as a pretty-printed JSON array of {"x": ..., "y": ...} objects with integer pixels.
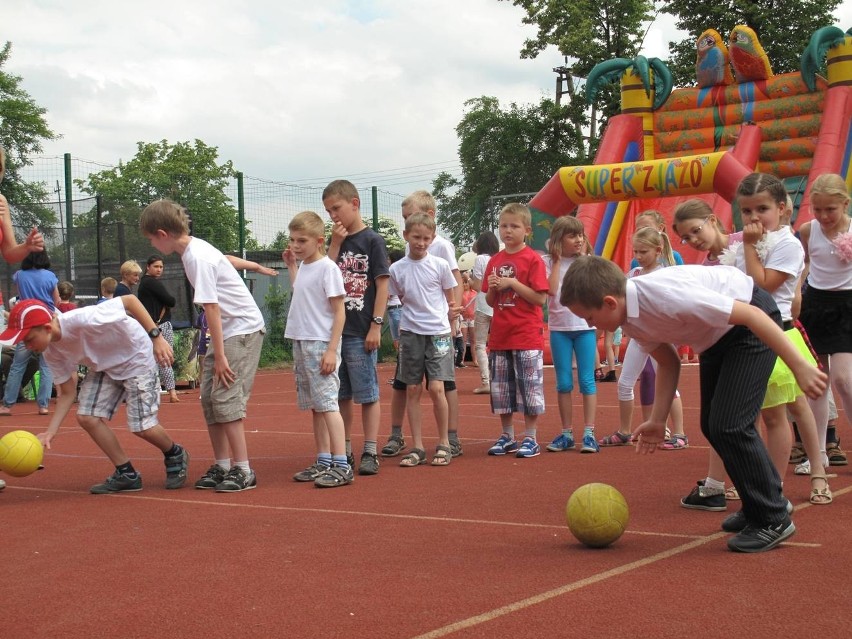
[{"x": 16, "y": 374}]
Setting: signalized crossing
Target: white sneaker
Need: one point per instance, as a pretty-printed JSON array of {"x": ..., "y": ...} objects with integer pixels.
[
  {"x": 804, "y": 468},
  {"x": 2, "y": 484}
]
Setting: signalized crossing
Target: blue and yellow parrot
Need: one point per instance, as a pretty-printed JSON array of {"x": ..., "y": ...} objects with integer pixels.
[{"x": 712, "y": 65}]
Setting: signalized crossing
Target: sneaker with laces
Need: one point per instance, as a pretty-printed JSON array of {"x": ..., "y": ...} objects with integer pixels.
[
  {"x": 803, "y": 469},
  {"x": 176, "y": 468},
  {"x": 369, "y": 464},
  {"x": 737, "y": 522},
  {"x": 118, "y": 483},
  {"x": 506, "y": 444},
  {"x": 529, "y": 448},
  {"x": 761, "y": 538},
  {"x": 334, "y": 477},
  {"x": 590, "y": 444},
  {"x": 562, "y": 442},
  {"x": 702, "y": 498},
  {"x": 237, "y": 480},
  {"x": 212, "y": 478},
  {"x": 311, "y": 472}
]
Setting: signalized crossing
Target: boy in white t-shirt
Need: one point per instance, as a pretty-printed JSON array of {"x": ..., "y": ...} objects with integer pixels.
[
  {"x": 121, "y": 359},
  {"x": 315, "y": 324},
  {"x": 236, "y": 337},
  {"x": 426, "y": 287},
  {"x": 423, "y": 202},
  {"x": 735, "y": 326}
]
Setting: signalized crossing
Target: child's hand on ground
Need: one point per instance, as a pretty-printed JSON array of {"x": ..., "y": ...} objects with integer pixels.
[
  {"x": 45, "y": 438},
  {"x": 752, "y": 233},
  {"x": 649, "y": 435}
]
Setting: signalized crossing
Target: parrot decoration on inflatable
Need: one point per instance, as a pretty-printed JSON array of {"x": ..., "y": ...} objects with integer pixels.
[
  {"x": 713, "y": 65},
  {"x": 747, "y": 55}
]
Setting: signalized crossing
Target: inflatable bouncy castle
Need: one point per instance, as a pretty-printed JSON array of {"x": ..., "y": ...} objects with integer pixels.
[{"x": 670, "y": 145}]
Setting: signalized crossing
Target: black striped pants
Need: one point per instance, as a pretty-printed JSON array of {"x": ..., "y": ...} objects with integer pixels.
[{"x": 734, "y": 374}]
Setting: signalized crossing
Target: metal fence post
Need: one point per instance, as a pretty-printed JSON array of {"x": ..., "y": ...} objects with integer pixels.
[
  {"x": 69, "y": 222},
  {"x": 375, "y": 191}
]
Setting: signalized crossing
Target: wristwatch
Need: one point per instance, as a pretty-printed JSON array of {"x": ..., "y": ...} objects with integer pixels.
[
  {"x": 379, "y": 320},
  {"x": 154, "y": 332}
]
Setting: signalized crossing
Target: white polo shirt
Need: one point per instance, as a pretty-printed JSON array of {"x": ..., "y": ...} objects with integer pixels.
[{"x": 684, "y": 305}]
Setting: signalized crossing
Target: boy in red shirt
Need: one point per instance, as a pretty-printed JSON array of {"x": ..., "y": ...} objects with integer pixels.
[{"x": 515, "y": 286}]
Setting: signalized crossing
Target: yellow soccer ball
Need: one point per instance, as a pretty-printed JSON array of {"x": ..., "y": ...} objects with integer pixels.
[
  {"x": 597, "y": 514},
  {"x": 21, "y": 453}
]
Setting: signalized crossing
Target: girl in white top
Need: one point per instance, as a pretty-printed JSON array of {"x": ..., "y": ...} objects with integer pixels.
[
  {"x": 570, "y": 336},
  {"x": 652, "y": 251},
  {"x": 775, "y": 260},
  {"x": 827, "y": 300}
]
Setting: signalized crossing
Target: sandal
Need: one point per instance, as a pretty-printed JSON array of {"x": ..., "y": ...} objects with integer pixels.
[
  {"x": 616, "y": 439},
  {"x": 416, "y": 457},
  {"x": 443, "y": 456},
  {"x": 820, "y": 496},
  {"x": 797, "y": 453},
  {"x": 732, "y": 494},
  {"x": 456, "y": 448},
  {"x": 676, "y": 442},
  {"x": 394, "y": 447}
]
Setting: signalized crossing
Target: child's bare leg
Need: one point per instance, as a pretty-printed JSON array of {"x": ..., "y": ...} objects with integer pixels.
[
  {"x": 236, "y": 436},
  {"x": 566, "y": 409},
  {"x": 321, "y": 434},
  {"x": 676, "y": 414},
  {"x": 625, "y": 416},
  {"x": 219, "y": 441},
  {"x": 345, "y": 406},
  {"x": 333, "y": 423},
  {"x": 804, "y": 418},
  {"x": 412, "y": 400},
  {"x": 371, "y": 414},
  {"x": 779, "y": 436},
  {"x": 440, "y": 406},
  {"x": 103, "y": 436},
  {"x": 157, "y": 436},
  {"x": 590, "y": 408}
]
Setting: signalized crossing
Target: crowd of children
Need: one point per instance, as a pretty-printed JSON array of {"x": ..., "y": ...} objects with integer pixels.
[{"x": 739, "y": 318}]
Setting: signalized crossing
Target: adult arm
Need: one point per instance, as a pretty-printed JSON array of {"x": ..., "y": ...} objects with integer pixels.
[{"x": 11, "y": 250}]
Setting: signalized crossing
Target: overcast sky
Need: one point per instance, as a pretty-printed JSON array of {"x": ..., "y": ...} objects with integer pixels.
[{"x": 289, "y": 91}]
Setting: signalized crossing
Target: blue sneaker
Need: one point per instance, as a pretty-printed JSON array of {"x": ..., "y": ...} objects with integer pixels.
[
  {"x": 529, "y": 448},
  {"x": 590, "y": 444},
  {"x": 503, "y": 445},
  {"x": 562, "y": 442}
]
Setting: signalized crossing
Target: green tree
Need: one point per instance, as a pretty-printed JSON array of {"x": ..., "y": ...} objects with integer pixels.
[
  {"x": 23, "y": 128},
  {"x": 783, "y": 28},
  {"x": 501, "y": 151},
  {"x": 186, "y": 172},
  {"x": 587, "y": 32}
]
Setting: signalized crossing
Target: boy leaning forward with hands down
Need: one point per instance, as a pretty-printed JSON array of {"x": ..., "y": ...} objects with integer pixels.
[
  {"x": 735, "y": 326},
  {"x": 120, "y": 353}
]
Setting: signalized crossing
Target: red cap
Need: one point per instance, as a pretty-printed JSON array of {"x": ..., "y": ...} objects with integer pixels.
[{"x": 25, "y": 315}]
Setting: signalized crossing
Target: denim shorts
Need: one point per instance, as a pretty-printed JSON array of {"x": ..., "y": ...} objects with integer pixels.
[
  {"x": 394, "y": 316},
  {"x": 358, "y": 378}
]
